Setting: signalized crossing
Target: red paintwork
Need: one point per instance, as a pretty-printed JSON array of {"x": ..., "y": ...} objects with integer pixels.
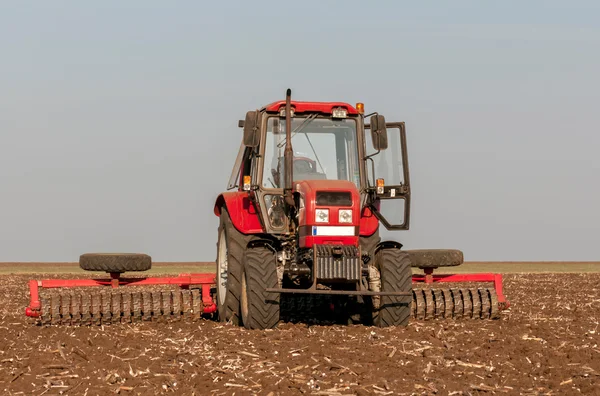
[
  {"x": 308, "y": 190},
  {"x": 368, "y": 222},
  {"x": 206, "y": 280},
  {"x": 313, "y": 107},
  {"x": 429, "y": 278},
  {"x": 242, "y": 212},
  {"x": 183, "y": 280}
]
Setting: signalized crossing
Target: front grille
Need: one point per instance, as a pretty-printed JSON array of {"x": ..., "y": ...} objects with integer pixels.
[
  {"x": 336, "y": 262},
  {"x": 334, "y": 198}
]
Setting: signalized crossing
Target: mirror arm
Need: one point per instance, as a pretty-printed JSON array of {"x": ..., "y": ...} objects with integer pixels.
[{"x": 370, "y": 157}]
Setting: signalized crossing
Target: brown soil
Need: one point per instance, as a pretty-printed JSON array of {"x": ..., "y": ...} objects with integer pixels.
[{"x": 547, "y": 343}]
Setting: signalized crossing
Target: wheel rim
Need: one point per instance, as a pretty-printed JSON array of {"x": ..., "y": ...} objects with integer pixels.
[
  {"x": 222, "y": 268},
  {"x": 244, "y": 299}
]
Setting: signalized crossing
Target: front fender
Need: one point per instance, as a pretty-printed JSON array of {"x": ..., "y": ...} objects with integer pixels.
[{"x": 243, "y": 213}]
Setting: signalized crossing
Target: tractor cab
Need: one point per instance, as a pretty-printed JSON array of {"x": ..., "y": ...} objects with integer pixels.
[{"x": 330, "y": 142}]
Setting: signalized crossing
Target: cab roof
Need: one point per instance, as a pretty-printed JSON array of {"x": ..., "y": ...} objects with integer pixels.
[{"x": 310, "y": 107}]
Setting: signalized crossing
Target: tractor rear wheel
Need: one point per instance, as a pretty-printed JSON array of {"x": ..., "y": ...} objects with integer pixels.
[
  {"x": 260, "y": 310},
  {"x": 231, "y": 246},
  {"x": 396, "y": 276}
]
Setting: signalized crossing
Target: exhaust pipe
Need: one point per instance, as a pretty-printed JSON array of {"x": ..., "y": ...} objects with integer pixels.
[{"x": 288, "y": 154}]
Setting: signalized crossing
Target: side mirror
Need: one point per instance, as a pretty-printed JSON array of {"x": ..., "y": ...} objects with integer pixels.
[
  {"x": 251, "y": 129},
  {"x": 379, "y": 132}
]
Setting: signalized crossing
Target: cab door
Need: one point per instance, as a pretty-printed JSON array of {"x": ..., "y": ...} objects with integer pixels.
[{"x": 391, "y": 204}]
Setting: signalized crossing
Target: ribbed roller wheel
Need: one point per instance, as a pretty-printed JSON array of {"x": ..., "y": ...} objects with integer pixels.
[
  {"x": 419, "y": 301},
  {"x": 65, "y": 309},
  {"x": 115, "y": 307},
  {"x": 95, "y": 310},
  {"x": 105, "y": 308},
  {"x": 476, "y": 303},
  {"x": 467, "y": 303},
  {"x": 146, "y": 306},
  {"x": 75, "y": 309},
  {"x": 126, "y": 308},
  {"x": 494, "y": 309},
  {"x": 448, "y": 304},
  {"x": 485, "y": 303},
  {"x": 176, "y": 299},
  {"x": 459, "y": 306},
  {"x": 186, "y": 303},
  {"x": 440, "y": 305},
  {"x": 136, "y": 307},
  {"x": 55, "y": 309},
  {"x": 429, "y": 304},
  {"x": 86, "y": 303}
]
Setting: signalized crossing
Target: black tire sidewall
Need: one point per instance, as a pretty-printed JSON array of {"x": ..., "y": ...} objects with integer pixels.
[
  {"x": 260, "y": 273},
  {"x": 236, "y": 244}
]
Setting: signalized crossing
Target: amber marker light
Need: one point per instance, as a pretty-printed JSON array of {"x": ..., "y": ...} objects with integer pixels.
[
  {"x": 246, "y": 183},
  {"x": 360, "y": 107},
  {"x": 380, "y": 185}
]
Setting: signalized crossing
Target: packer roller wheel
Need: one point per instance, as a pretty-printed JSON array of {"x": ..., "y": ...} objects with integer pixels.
[
  {"x": 110, "y": 307},
  {"x": 444, "y": 304}
]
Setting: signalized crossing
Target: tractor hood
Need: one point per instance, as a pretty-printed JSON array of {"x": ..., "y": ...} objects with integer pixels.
[{"x": 328, "y": 212}]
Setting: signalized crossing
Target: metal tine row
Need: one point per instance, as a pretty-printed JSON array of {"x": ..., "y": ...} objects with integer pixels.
[
  {"x": 430, "y": 304},
  {"x": 120, "y": 307}
]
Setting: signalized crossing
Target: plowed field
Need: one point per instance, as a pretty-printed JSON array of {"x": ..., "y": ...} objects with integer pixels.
[{"x": 546, "y": 343}]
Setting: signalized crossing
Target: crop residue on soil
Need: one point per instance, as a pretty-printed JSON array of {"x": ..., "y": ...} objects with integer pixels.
[{"x": 547, "y": 343}]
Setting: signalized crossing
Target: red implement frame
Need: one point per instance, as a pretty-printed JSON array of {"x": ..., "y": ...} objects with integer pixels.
[
  {"x": 429, "y": 278},
  {"x": 206, "y": 280},
  {"x": 203, "y": 281}
]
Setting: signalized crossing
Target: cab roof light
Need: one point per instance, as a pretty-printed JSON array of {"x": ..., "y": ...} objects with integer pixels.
[
  {"x": 339, "y": 112},
  {"x": 282, "y": 111},
  {"x": 360, "y": 108}
]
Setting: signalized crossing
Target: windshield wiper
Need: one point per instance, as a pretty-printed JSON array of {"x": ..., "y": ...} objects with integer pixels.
[{"x": 306, "y": 121}]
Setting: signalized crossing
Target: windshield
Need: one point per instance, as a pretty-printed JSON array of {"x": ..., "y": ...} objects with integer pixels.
[{"x": 324, "y": 148}]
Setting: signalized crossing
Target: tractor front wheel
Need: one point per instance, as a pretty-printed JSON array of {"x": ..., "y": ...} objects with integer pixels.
[
  {"x": 396, "y": 276},
  {"x": 260, "y": 310}
]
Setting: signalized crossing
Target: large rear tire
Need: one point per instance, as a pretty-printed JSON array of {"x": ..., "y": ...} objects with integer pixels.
[
  {"x": 260, "y": 310},
  {"x": 231, "y": 246},
  {"x": 396, "y": 276}
]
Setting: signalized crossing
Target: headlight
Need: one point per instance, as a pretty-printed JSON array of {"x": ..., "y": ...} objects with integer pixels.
[
  {"x": 345, "y": 216},
  {"x": 322, "y": 215}
]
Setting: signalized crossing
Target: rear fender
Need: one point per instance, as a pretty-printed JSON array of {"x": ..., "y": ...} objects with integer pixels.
[{"x": 243, "y": 213}]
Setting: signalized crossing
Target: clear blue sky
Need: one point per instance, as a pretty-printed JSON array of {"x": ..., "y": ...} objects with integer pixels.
[{"x": 118, "y": 120}]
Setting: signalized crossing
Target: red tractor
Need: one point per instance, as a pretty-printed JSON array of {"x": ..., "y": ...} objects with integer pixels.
[
  {"x": 295, "y": 225},
  {"x": 298, "y": 232}
]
